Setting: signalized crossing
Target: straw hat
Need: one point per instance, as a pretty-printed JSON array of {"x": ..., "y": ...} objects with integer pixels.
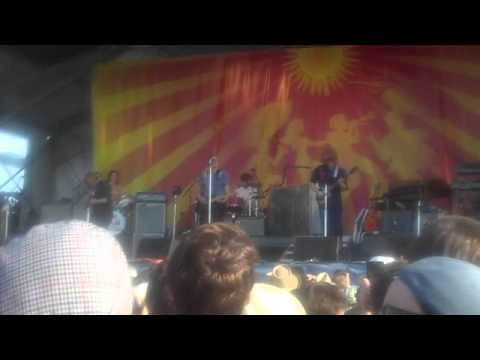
[
  {"x": 271, "y": 300},
  {"x": 323, "y": 277},
  {"x": 283, "y": 277}
]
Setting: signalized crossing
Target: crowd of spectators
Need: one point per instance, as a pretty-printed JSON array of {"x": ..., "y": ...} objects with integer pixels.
[{"x": 78, "y": 268}]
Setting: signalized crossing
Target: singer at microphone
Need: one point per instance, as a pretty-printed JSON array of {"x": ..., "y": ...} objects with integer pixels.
[
  {"x": 220, "y": 191},
  {"x": 330, "y": 173}
]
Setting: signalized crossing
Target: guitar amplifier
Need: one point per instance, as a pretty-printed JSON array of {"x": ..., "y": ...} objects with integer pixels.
[
  {"x": 158, "y": 197},
  {"x": 149, "y": 219},
  {"x": 398, "y": 222},
  {"x": 466, "y": 198},
  {"x": 468, "y": 169},
  {"x": 404, "y": 222}
]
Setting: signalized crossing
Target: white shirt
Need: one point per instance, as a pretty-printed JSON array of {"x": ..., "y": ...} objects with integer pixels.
[{"x": 245, "y": 193}]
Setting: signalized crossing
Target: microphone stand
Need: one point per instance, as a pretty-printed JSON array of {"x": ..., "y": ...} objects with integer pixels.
[
  {"x": 325, "y": 211},
  {"x": 210, "y": 178},
  {"x": 176, "y": 192},
  {"x": 419, "y": 212}
]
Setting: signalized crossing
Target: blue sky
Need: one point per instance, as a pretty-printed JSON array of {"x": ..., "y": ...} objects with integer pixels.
[{"x": 16, "y": 147}]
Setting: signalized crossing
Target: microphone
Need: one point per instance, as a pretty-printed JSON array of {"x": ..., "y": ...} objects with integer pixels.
[
  {"x": 212, "y": 160},
  {"x": 177, "y": 190}
]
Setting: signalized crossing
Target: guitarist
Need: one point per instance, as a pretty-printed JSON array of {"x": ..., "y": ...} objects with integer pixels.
[
  {"x": 335, "y": 177},
  {"x": 220, "y": 191}
]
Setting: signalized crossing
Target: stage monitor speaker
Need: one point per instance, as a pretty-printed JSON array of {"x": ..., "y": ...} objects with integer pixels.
[
  {"x": 318, "y": 248},
  {"x": 149, "y": 222}
]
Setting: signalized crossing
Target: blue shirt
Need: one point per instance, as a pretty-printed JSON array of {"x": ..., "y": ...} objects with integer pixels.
[{"x": 220, "y": 180}]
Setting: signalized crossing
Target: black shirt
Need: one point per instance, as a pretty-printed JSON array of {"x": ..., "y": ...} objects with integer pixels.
[
  {"x": 102, "y": 212},
  {"x": 322, "y": 175}
]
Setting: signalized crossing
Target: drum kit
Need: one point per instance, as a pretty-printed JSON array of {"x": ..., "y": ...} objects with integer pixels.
[{"x": 239, "y": 207}]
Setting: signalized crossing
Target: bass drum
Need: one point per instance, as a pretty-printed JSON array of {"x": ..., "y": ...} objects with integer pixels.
[{"x": 118, "y": 224}]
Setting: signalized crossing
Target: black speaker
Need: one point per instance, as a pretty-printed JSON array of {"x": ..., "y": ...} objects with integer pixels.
[
  {"x": 398, "y": 222},
  {"x": 319, "y": 248},
  {"x": 384, "y": 244},
  {"x": 149, "y": 220}
]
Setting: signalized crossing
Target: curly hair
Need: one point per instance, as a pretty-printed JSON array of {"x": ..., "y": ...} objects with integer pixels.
[
  {"x": 326, "y": 299},
  {"x": 212, "y": 271}
]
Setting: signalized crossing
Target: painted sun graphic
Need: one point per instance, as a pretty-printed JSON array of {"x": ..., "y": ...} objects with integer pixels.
[{"x": 321, "y": 70}]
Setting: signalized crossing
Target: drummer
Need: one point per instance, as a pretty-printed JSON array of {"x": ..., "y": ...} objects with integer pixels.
[{"x": 245, "y": 191}]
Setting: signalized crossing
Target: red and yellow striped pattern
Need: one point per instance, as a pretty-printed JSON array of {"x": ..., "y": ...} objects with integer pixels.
[{"x": 397, "y": 112}]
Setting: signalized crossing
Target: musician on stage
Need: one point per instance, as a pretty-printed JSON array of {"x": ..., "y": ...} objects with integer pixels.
[
  {"x": 220, "y": 191},
  {"x": 245, "y": 191},
  {"x": 335, "y": 177},
  {"x": 100, "y": 202},
  {"x": 115, "y": 189}
]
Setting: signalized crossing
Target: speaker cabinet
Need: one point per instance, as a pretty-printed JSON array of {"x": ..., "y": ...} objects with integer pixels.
[
  {"x": 149, "y": 222},
  {"x": 294, "y": 211},
  {"x": 318, "y": 248},
  {"x": 398, "y": 222}
]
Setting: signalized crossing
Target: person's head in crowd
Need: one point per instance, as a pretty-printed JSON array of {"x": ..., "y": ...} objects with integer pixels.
[
  {"x": 210, "y": 272},
  {"x": 266, "y": 299},
  {"x": 435, "y": 286},
  {"x": 284, "y": 277},
  {"x": 65, "y": 268},
  {"x": 381, "y": 271},
  {"x": 158, "y": 298},
  {"x": 342, "y": 279},
  {"x": 113, "y": 177},
  {"x": 362, "y": 304},
  {"x": 326, "y": 299},
  {"x": 453, "y": 236}
]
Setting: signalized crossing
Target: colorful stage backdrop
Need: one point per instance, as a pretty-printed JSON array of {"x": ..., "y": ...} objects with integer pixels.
[{"x": 396, "y": 112}]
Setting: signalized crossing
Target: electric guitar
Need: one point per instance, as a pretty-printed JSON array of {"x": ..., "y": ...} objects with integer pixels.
[{"x": 320, "y": 193}]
